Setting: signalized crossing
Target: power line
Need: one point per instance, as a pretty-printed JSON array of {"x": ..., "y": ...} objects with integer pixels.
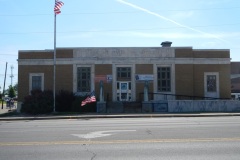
[
  {"x": 122, "y": 30},
  {"x": 8, "y": 74},
  {"x": 8, "y": 62},
  {"x": 119, "y": 12},
  {"x": 8, "y": 54}
]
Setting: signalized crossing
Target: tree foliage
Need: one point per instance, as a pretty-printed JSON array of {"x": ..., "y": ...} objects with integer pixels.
[
  {"x": 11, "y": 92},
  {"x": 16, "y": 87}
]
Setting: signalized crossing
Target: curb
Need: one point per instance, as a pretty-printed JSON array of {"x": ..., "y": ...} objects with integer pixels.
[{"x": 119, "y": 116}]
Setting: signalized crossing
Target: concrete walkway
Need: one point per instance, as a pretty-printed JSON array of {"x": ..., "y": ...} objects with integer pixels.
[
  {"x": 108, "y": 115},
  {"x": 5, "y": 109}
]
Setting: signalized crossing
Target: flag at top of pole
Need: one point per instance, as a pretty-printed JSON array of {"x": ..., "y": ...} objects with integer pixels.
[{"x": 57, "y": 7}]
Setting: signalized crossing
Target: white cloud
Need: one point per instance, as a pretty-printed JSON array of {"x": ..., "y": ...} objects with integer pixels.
[{"x": 183, "y": 15}]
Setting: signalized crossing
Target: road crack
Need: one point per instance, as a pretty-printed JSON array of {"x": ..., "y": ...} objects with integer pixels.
[
  {"x": 149, "y": 132},
  {"x": 86, "y": 146}
]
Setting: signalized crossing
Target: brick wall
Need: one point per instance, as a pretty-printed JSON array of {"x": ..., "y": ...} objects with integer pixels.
[
  {"x": 190, "y": 79},
  {"x": 64, "y": 78},
  {"x": 104, "y": 69},
  {"x": 189, "y": 53},
  {"x": 23, "y": 78},
  {"x": 184, "y": 79},
  {"x": 224, "y": 78},
  {"x": 183, "y": 53},
  {"x": 45, "y": 54}
]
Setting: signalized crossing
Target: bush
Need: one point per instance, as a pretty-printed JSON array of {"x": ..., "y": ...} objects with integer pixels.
[
  {"x": 64, "y": 100},
  {"x": 39, "y": 102}
]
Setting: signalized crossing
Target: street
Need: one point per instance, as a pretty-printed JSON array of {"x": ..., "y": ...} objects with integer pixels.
[{"x": 208, "y": 138}]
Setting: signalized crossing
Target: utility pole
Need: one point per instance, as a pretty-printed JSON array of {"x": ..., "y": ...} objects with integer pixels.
[
  {"x": 11, "y": 75},
  {"x": 4, "y": 82}
]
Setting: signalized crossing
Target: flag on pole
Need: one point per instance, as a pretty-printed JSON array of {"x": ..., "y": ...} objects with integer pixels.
[
  {"x": 57, "y": 7},
  {"x": 90, "y": 99}
]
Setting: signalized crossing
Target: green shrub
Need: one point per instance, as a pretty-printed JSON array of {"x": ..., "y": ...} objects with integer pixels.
[
  {"x": 64, "y": 100},
  {"x": 76, "y": 105},
  {"x": 39, "y": 102}
]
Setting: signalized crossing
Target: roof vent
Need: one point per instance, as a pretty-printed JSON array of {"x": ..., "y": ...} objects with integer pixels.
[{"x": 166, "y": 44}]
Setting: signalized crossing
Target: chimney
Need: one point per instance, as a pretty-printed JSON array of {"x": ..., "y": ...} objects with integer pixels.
[{"x": 166, "y": 44}]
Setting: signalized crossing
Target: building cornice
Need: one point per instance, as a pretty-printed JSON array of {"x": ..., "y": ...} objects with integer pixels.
[{"x": 121, "y": 60}]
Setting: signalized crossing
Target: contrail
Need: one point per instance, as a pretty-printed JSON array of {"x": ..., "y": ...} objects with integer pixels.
[{"x": 167, "y": 19}]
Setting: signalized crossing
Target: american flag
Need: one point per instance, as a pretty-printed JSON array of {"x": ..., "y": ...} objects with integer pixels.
[
  {"x": 58, "y": 5},
  {"x": 90, "y": 99}
]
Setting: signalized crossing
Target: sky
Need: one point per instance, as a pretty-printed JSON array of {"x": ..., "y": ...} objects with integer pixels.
[{"x": 201, "y": 24}]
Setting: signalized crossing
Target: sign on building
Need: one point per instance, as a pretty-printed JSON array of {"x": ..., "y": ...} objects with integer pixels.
[{"x": 144, "y": 77}]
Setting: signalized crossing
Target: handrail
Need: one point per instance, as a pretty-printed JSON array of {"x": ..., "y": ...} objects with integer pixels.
[{"x": 166, "y": 96}]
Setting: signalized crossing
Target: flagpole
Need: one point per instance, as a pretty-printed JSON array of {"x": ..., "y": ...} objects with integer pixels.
[
  {"x": 57, "y": 6},
  {"x": 54, "y": 66}
]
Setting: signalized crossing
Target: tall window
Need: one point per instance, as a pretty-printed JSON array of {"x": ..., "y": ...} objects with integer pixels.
[
  {"x": 164, "y": 79},
  {"x": 36, "y": 81},
  {"x": 83, "y": 79},
  {"x": 211, "y": 83},
  {"x": 123, "y": 73}
]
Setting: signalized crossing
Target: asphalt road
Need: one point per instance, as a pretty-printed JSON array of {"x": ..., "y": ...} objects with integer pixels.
[{"x": 208, "y": 138}]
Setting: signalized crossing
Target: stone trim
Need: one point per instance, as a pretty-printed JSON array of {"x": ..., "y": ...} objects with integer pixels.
[{"x": 125, "y": 60}]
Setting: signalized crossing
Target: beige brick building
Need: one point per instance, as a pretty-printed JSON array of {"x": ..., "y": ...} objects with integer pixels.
[
  {"x": 124, "y": 71},
  {"x": 235, "y": 80}
]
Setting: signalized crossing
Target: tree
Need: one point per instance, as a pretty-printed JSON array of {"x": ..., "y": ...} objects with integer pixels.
[
  {"x": 11, "y": 92},
  {"x": 0, "y": 93},
  {"x": 15, "y": 87}
]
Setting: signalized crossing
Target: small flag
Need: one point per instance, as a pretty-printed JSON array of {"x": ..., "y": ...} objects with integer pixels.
[
  {"x": 58, "y": 5},
  {"x": 91, "y": 98}
]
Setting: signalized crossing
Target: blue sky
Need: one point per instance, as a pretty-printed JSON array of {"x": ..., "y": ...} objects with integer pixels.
[{"x": 201, "y": 24}]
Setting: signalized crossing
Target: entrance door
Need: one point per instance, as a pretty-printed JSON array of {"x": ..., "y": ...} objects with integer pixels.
[
  {"x": 124, "y": 91},
  {"x": 211, "y": 85}
]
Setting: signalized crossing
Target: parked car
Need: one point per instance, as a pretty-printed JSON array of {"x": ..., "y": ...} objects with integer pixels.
[{"x": 6, "y": 98}]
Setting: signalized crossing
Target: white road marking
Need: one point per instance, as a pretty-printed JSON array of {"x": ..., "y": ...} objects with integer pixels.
[{"x": 100, "y": 134}]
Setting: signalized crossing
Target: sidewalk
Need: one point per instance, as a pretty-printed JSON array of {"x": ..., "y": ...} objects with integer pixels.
[
  {"x": 5, "y": 109},
  {"x": 109, "y": 115}
]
